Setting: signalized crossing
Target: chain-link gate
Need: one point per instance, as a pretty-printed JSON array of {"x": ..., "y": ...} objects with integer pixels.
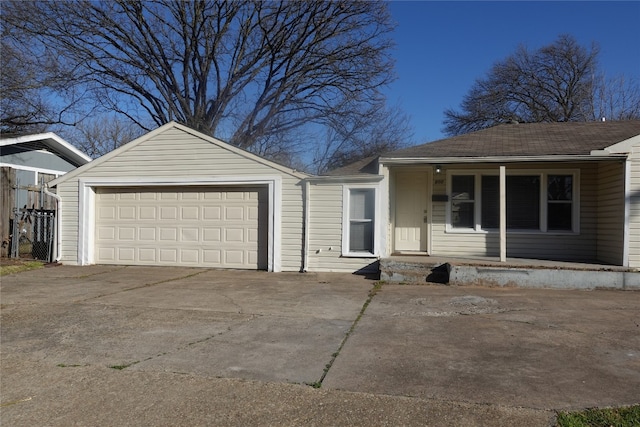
[{"x": 33, "y": 234}]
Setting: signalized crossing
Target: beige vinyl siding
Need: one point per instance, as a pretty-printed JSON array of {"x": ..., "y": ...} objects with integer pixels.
[
  {"x": 325, "y": 231},
  {"x": 634, "y": 208},
  {"x": 176, "y": 154},
  {"x": 68, "y": 192},
  {"x": 611, "y": 212},
  {"x": 558, "y": 246}
]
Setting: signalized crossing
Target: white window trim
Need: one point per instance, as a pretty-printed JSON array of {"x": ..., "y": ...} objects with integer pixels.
[
  {"x": 346, "y": 191},
  {"x": 476, "y": 202},
  {"x": 543, "y": 173}
]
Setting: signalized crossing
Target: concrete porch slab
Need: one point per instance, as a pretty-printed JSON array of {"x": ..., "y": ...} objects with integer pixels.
[{"x": 515, "y": 272}]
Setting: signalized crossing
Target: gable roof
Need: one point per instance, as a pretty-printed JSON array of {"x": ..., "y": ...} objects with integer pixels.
[
  {"x": 173, "y": 125},
  {"x": 51, "y": 142},
  {"x": 527, "y": 140}
]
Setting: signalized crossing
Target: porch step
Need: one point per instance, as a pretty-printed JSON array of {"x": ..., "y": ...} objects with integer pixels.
[{"x": 414, "y": 272}]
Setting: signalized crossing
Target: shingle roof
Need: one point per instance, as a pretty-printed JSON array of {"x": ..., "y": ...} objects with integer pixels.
[
  {"x": 367, "y": 166},
  {"x": 527, "y": 139}
]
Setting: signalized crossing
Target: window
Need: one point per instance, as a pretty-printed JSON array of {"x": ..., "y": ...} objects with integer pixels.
[
  {"x": 360, "y": 224},
  {"x": 490, "y": 196},
  {"x": 535, "y": 202},
  {"x": 523, "y": 202},
  {"x": 560, "y": 202},
  {"x": 462, "y": 201}
]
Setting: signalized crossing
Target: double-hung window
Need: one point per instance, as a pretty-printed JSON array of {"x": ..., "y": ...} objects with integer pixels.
[
  {"x": 359, "y": 223},
  {"x": 560, "y": 202},
  {"x": 463, "y": 201},
  {"x": 541, "y": 201}
]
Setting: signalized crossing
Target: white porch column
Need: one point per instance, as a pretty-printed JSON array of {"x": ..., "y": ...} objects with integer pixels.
[{"x": 503, "y": 214}]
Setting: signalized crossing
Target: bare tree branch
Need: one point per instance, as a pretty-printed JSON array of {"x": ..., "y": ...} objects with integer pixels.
[{"x": 242, "y": 70}]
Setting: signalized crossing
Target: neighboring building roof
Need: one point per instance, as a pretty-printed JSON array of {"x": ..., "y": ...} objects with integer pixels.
[
  {"x": 527, "y": 140},
  {"x": 367, "y": 165},
  {"x": 51, "y": 142}
]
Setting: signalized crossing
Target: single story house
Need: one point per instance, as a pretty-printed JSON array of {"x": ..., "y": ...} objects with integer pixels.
[
  {"x": 558, "y": 191},
  {"x": 26, "y": 162}
]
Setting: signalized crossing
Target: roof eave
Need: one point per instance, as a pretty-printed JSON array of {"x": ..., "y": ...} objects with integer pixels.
[
  {"x": 499, "y": 159},
  {"x": 54, "y": 143},
  {"x": 344, "y": 178}
]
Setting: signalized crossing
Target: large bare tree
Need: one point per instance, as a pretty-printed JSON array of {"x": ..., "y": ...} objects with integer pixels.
[
  {"x": 246, "y": 71},
  {"x": 556, "y": 83}
]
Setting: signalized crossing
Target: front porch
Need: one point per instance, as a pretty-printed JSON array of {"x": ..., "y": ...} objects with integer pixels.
[{"x": 514, "y": 272}]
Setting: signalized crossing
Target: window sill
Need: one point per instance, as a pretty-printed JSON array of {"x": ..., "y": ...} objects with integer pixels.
[{"x": 358, "y": 255}]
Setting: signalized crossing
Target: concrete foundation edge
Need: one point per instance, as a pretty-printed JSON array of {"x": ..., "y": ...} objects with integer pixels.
[{"x": 543, "y": 278}]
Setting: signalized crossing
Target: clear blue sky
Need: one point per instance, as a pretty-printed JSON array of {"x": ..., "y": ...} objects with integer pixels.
[{"x": 443, "y": 47}]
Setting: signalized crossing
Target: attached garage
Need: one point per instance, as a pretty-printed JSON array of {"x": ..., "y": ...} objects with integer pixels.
[
  {"x": 200, "y": 227},
  {"x": 178, "y": 197}
]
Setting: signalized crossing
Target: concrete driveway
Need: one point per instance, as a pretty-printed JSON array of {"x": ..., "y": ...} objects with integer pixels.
[{"x": 105, "y": 345}]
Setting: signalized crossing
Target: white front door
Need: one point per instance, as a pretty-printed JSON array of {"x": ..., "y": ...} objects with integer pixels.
[{"x": 411, "y": 215}]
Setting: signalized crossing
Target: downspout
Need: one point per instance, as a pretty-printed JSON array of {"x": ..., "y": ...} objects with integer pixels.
[
  {"x": 58, "y": 221},
  {"x": 305, "y": 227},
  {"x": 627, "y": 212},
  {"x": 503, "y": 213}
]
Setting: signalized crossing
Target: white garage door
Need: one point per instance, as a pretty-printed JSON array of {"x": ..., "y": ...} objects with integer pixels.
[{"x": 203, "y": 227}]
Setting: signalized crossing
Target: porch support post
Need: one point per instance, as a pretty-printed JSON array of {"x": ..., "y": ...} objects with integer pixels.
[{"x": 503, "y": 214}]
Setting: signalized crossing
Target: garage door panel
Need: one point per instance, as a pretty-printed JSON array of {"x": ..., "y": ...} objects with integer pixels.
[
  {"x": 126, "y": 233},
  {"x": 106, "y": 233},
  {"x": 233, "y": 235},
  {"x": 234, "y": 257},
  {"x": 211, "y": 213},
  {"x": 147, "y": 234},
  {"x": 190, "y": 212},
  {"x": 190, "y": 256},
  {"x": 125, "y": 254},
  {"x": 168, "y": 256},
  {"x": 147, "y": 255},
  {"x": 212, "y": 256},
  {"x": 147, "y": 212},
  {"x": 168, "y": 213},
  {"x": 126, "y": 212},
  {"x": 204, "y": 227},
  {"x": 211, "y": 235},
  {"x": 189, "y": 235},
  {"x": 168, "y": 195},
  {"x": 107, "y": 212},
  {"x": 234, "y": 213},
  {"x": 168, "y": 234},
  {"x": 107, "y": 254}
]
